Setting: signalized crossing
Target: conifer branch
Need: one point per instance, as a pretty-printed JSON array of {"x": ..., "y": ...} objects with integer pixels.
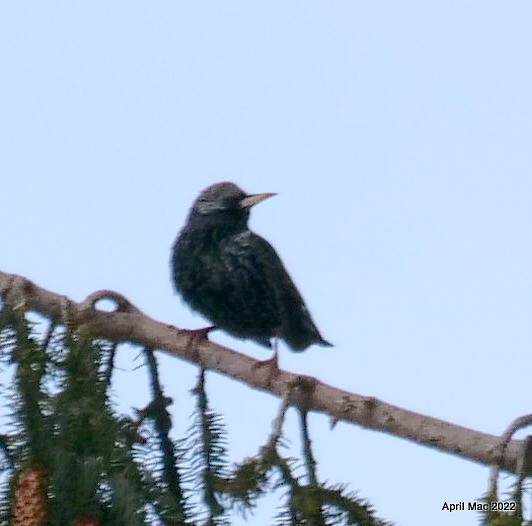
[
  {"x": 128, "y": 324},
  {"x": 209, "y": 449},
  {"x": 162, "y": 422},
  {"x": 110, "y": 365},
  {"x": 310, "y": 461}
]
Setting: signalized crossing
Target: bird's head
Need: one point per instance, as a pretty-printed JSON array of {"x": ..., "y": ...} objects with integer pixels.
[{"x": 224, "y": 205}]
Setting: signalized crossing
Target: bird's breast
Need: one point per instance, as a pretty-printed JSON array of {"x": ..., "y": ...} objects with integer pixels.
[{"x": 199, "y": 264}]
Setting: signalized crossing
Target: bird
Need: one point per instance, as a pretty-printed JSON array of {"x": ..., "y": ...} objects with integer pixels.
[{"x": 234, "y": 277}]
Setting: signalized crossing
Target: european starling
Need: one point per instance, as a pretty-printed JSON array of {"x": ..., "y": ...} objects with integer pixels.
[{"x": 234, "y": 277}]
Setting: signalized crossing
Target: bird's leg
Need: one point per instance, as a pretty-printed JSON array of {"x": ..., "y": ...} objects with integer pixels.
[{"x": 271, "y": 363}]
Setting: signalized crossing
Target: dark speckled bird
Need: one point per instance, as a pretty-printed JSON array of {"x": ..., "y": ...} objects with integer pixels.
[{"x": 234, "y": 277}]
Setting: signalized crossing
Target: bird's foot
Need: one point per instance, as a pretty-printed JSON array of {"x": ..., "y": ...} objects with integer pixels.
[
  {"x": 194, "y": 337},
  {"x": 197, "y": 334},
  {"x": 271, "y": 364}
]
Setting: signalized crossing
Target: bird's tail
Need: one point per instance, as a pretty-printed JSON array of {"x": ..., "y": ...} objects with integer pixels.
[{"x": 303, "y": 334}]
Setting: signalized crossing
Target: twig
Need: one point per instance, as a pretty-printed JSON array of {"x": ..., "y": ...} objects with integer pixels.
[{"x": 500, "y": 448}]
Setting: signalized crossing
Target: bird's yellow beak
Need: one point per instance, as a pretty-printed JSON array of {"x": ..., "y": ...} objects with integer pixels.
[{"x": 253, "y": 199}]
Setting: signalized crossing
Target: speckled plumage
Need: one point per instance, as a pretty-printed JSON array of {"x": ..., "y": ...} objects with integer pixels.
[{"x": 234, "y": 277}]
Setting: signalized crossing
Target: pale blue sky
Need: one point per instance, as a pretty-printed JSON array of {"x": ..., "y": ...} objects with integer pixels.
[{"x": 398, "y": 136}]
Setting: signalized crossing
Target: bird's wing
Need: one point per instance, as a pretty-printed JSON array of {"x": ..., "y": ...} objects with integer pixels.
[
  {"x": 279, "y": 291},
  {"x": 268, "y": 267}
]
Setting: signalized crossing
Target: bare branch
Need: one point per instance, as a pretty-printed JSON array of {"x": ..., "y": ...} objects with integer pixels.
[{"x": 129, "y": 324}]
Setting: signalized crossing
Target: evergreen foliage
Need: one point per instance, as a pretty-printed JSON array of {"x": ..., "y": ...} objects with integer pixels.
[{"x": 123, "y": 471}]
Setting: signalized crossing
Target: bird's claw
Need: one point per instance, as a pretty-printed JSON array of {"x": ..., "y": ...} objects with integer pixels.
[
  {"x": 197, "y": 334},
  {"x": 272, "y": 365}
]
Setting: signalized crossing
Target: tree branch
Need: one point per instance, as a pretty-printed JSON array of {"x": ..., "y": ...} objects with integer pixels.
[{"x": 128, "y": 324}]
